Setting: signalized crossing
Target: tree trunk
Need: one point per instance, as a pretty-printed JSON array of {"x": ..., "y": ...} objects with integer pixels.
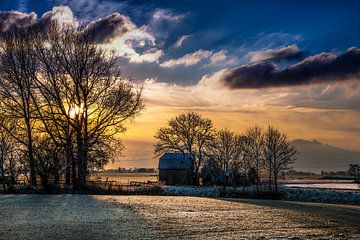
[
  {"x": 74, "y": 166},
  {"x": 68, "y": 162},
  {"x": 276, "y": 181},
  {"x": 31, "y": 153},
  {"x": 79, "y": 158},
  {"x": 224, "y": 182},
  {"x": 270, "y": 175},
  {"x": 67, "y": 171},
  {"x": 257, "y": 176},
  {"x": 12, "y": 175},
  {"x": 56, "y": 170},
  {"x": 84, "y": 149},
  {"x": 45, "y": 183},
  {"x": 82, "y": 160},
  {"x": 195, "y": 179}
]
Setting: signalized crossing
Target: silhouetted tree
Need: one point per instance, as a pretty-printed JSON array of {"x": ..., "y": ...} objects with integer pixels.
[
  {"x": 84, "y": 97},
  {"x": 18, "y": 69},
  {"x": 255, "y": 137},
  {"x": 187, "y": 133},
  {"x": 48, "y": 162},
  {"x": 10, "y": 154},
  {"x": 211, "y": 172},
  {"x": 354, "y": 170},
  {"x": 279, "y": 152},
  {"x": 225, "y": 150},
  {"x": 58, "y": 84},
  {"x": 253, "y": 176}
]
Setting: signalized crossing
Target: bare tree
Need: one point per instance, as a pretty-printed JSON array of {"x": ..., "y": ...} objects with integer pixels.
[
  {"x": 17, "y": 74},
  {"x": 256, "y": 150},
  {"x": 10, "y": 153},
  {"x": 354, "y": 170},
  {"x": 225, "y": 151},
  {"x": 58, "y": 84},
  {"x": 279, "y": 152},
  {"x": 187, "y": 133},
  {"x": 211, "y": 172},
  {"x": 246, "y": 160},
  {"x": 48, "y": 162},
  {"x": 85, "y": 97}
]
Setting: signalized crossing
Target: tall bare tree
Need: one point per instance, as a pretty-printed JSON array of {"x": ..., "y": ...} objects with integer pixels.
[
  {"x": 279, "y": 152},
  {"x": 17, "y": 73},
  {"x": 10, "y": 153},
  {"x": 255, "y": 137},
  {"x": 224, "y": 150},
  {"x": 84, "y": 94},
  {"x": 187, "y": 133},
  {"x": 57, "y": 83}
]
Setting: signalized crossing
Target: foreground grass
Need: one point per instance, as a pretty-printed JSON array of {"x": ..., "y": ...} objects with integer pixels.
[{"x": 164, "y": 217}]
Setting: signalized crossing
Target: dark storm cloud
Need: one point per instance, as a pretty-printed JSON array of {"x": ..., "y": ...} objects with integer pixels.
[
  {"x": 324, "y": 67},
  {"x": 108, "y": 28},
  {"x": 286, "y": 53},
  {"x": 10, "y": 21}
]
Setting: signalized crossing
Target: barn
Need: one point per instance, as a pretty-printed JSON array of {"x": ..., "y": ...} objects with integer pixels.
[{"x": 175, "y": 169}]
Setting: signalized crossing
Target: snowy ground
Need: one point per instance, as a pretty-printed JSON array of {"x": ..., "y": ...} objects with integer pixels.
[
  {"x": 324, "y": 184},
  {"x": 321, "y": 195},
  {"x": 162, "y": 217}
]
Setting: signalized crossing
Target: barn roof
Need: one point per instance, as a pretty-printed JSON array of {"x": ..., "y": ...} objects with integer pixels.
[{"x": 175, "y": 161}]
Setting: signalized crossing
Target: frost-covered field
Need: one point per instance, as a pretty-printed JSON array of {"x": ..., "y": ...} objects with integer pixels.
[
  {"x": 321, "y": 195},
  {"x": 163, "y": 217},
  {"x": 325, "y": 184}
]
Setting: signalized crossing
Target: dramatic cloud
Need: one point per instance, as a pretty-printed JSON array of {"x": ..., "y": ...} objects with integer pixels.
[
  {"x": 10, "y": 21},
  {"x": 108, "y": 28},
  {"x": 188, "y": 59},
  {"x": 286, "y": 53},
  {"x": 181, "y": 40},
  {"x": 127, "y": 45},
  {"x": 323, "y": 67},
  {"x": 62, "y": 15},
  {"x": 117, "y": 32}
]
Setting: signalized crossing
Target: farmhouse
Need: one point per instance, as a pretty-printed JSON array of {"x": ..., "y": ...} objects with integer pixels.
[{"x": 175, "y": 169}]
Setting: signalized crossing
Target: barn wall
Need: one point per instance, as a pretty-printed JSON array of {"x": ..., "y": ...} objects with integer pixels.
[{"x": 175, "y": 177}]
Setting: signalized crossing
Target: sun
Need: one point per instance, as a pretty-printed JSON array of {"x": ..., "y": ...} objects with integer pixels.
[{"x": 75, "y": 110}]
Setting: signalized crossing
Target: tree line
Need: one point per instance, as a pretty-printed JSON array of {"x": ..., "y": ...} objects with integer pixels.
[
  {"x": 220, "y": 155},
  {"x": 354, "y": 170},
  {"x": 62, "y": 103}
]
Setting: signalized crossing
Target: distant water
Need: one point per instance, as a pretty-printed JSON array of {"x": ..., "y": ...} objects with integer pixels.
[{"x": 126, "y": 177}]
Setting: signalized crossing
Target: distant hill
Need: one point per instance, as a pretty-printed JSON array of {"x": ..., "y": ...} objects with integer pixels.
[{"x": 315, "y": 156}]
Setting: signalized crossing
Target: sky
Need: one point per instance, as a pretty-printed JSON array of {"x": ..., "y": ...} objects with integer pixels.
[{"x": 291, "y": 64}]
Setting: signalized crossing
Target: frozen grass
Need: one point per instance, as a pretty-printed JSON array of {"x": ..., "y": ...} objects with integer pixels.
[
  {"x": 338, "y": 185},
  {"x": 164, "y": 217},
  {"x": 341, "y": 196}
]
